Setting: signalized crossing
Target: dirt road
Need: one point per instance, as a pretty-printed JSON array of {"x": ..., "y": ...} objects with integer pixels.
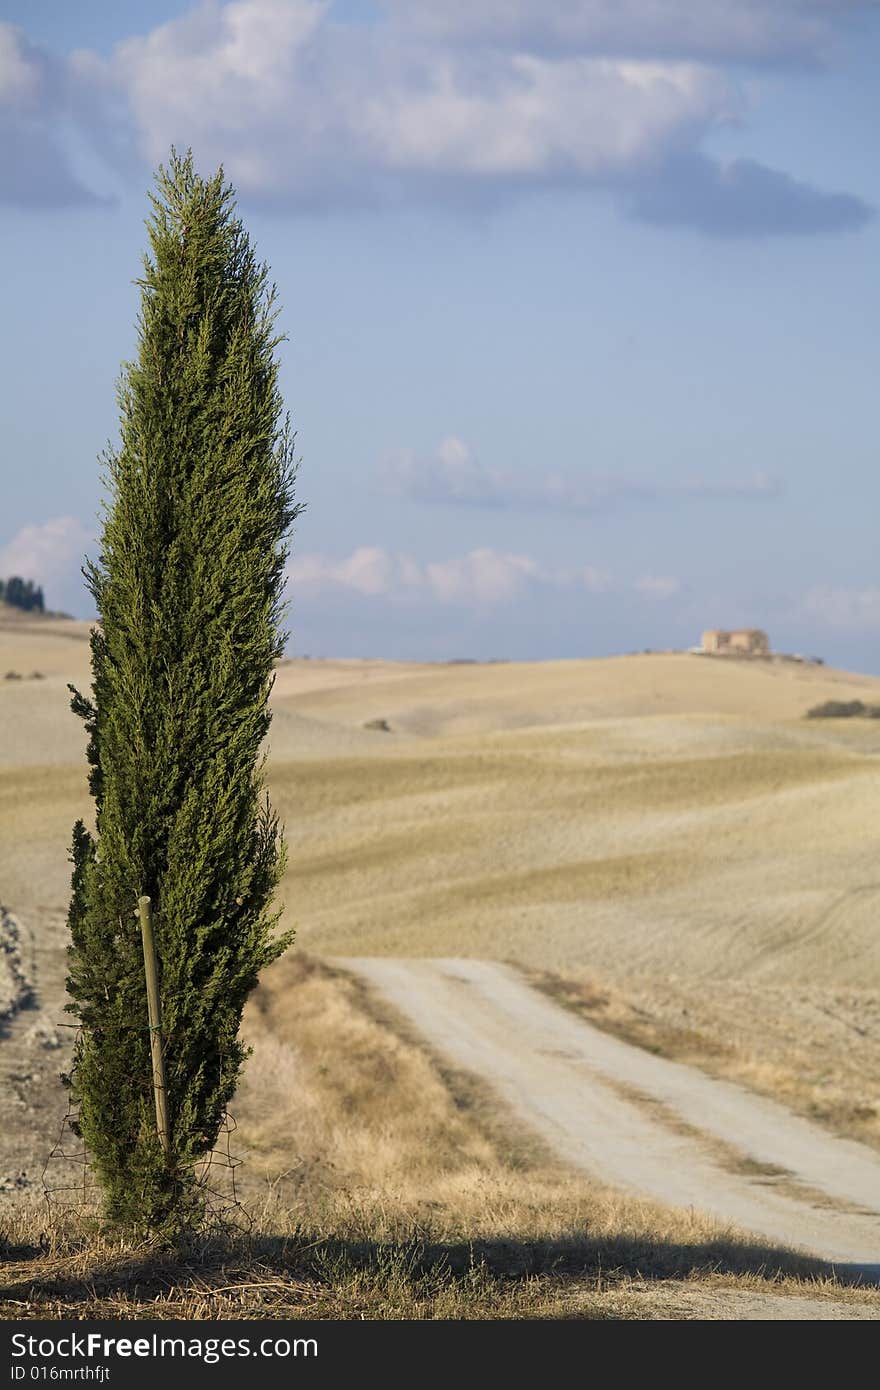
[{"x": 636, "y": 1120}]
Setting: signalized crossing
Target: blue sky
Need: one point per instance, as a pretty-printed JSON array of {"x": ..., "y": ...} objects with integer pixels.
[{"x": 581, "y": 300}]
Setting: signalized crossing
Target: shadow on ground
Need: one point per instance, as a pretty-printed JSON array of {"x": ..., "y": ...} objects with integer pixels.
[{"x": 335, "y": 1277}]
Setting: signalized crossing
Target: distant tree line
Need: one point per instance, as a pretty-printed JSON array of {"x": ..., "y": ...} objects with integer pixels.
[{"x": 22, "y": 593}]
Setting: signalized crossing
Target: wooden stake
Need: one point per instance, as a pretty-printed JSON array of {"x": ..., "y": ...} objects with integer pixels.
[{"x": 154, "y": 1012}]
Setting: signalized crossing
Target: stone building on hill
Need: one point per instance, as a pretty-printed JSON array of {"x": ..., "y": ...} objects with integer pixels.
[{"x": 743, "y": 641}]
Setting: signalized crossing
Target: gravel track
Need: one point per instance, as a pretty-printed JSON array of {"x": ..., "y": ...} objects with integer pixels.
[{"x": 653, "y": 1126}]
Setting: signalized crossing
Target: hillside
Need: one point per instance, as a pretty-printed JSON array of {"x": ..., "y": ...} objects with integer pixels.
[
  {"x": 479, "y": 698},
  {"x": 661, "y": 842}
]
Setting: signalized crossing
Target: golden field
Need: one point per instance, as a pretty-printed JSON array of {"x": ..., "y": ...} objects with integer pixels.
[{"x": 661, "y": 841}]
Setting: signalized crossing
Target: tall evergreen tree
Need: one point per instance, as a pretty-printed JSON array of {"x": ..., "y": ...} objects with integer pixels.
[{"x": 188, "y": 592}]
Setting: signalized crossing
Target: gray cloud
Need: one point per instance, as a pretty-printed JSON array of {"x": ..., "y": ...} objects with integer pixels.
[
  {"x": 740, "y": 199},
  {"x": 36, "y": 104},
  {"x": 749, "y": 31},
  {"x": 453, "y": 103},
  {"x": 453, "y": 476}
]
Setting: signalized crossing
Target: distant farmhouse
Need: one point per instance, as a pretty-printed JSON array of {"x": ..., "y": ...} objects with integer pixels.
[{"x": 743, "y": 641}]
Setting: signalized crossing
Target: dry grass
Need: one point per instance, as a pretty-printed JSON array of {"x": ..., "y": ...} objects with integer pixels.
[
  {"x": 381, "y": 1186},
  {"x": 667, "y": 839},
  {"x": 63, "y": 1271}
]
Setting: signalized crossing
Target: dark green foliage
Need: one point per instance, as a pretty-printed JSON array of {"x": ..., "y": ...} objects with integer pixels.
[
  {"x": 188, "y": 591},
  {"x": 22, "y": 593},
  {"x": 844, "y": 709}
]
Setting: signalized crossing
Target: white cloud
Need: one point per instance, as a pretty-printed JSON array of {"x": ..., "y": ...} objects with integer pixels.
[
  {"x": 854, "y": 610},
  {"x": 483, "y": 577},
  {"x": 452, "y": 475},
  {"x": 367, "y": 570},
  {"x": 537, "y": 118},
  {"x": 291, "y": 104},
  {"x": 595, "y": 581},
  {"x": 657, "y": 587},
  {"x": 49, "y": 552},
  {"x": 486, "y": 576},
  {"x": 224, "y": 78},
  {"x": 305, "y": 110}
]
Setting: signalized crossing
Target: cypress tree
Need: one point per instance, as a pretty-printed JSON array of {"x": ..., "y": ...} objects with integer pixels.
[{"x": 188, "y": 589}]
